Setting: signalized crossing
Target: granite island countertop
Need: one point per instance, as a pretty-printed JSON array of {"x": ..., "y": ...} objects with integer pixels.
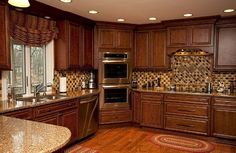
[
  {"x": 215, "y": 94},
  {"x": 7, "y": 106},
  {"x": 21, "y": 136}
]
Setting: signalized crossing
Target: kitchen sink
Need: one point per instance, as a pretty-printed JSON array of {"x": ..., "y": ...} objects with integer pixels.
[{"x": 41, "y": 98}]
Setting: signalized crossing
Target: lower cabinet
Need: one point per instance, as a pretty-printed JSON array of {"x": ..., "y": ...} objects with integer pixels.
[
  {"x": 152, "y": 110},
  {"x": 115, "y": 116},
  {"x": 49, "y": 119},
  {"x": 224, "y": 118},
  {"x": 136, "y": 107},
  {"x": 26, "y": 114}
]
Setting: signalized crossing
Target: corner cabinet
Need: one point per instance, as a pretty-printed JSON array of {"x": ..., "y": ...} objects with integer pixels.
[
  {"x": 5, "y": 62},
  {"x": 196, "y": 35},
  {"x": 150, "y": 50},
  {"x": 73, "y": 46},
  {"x": 225, "y": 54},
  {"x": 224, "y": 118}
]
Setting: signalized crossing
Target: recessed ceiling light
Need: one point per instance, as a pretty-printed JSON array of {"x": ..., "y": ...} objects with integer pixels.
[
  {"x": 93, "y": 12},
  {"x": 47, "y": 17},
  {"x": 19, "y": 3},
  {"x": 66, "y": 1},
  {"x": 152, "y": 19},
  {"x": 188, "y": 14},
  {"x": 229, "y": 10},
  {"x": 120, "y": 20}
]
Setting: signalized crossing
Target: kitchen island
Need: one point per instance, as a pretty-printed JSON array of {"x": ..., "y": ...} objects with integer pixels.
[{"x": 17, "y": 135}]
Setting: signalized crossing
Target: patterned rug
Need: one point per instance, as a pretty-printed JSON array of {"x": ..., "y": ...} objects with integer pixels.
[
  {"x": 80, "y": 149},
  {"x": 182, "y": 143}
]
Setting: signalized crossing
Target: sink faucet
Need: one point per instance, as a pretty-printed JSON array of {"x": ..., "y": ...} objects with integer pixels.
[{"x": 38, "y": 88}]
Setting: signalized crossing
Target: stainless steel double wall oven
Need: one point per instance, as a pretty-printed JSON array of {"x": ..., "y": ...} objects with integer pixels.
[{"x": 114, "y": 79}]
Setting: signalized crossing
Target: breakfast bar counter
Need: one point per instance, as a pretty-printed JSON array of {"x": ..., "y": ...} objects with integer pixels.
[{"x": 17, "y": 135}]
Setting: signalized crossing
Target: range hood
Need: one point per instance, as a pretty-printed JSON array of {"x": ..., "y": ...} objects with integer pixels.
[{"x": 190, "y": 52}]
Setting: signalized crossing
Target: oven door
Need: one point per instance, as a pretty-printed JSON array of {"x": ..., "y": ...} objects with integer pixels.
[
  {"x": 113, "y": 96},
  {"x": 114, "y": 71}
]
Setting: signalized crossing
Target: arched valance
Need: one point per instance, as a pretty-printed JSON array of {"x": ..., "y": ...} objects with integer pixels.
[{"x": 31, "y": 30}]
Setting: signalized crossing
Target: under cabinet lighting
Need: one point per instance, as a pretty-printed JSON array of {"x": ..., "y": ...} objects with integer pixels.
[
  {"x": 66, "y": 1},
  {"x": 188, "y": 14},
  {"x": 19, "y": 3},
  {"x": 229, "y": 10}
]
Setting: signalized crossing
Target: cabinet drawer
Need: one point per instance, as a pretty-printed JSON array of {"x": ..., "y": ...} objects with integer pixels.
[
  {"x": 22, "y": 114},
  {"x": 115, "y": 117},
  {"x": 186, "y": 109},
  {"x": 152, "y": 96},
  {"x": 186, "y": 125},
  {"x": 52, "y": 108},
  {"x": 224, "y": 102},
  {"x": 187, "y": 98}
]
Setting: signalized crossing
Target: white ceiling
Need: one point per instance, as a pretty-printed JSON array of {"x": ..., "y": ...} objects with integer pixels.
[{"x": 138, "y": 11}]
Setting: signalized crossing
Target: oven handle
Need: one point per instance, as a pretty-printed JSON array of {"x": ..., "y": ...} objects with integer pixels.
[
  {"x": 115, "y": 61},
  {"x": 116, "y": 86}
]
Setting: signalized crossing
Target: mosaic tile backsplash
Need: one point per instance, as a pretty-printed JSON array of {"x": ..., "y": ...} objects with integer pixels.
[{"x": 187, "y": 73}]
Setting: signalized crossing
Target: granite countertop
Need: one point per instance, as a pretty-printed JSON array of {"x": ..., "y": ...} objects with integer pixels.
[
  {"x": 7, "y": 106},
  {"x": 189, "y": 93},
  {"x": 17, "y": 135}
]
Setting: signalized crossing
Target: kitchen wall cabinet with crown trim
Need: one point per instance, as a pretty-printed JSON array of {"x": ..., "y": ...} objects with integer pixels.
[
  {"x": 225, "y": 54},
  {"x": 196, "y": 35},
  {"x": 5, "y": 61},
  {"x": 150, "y": 50},
  {"x": 73, "y": 46}
]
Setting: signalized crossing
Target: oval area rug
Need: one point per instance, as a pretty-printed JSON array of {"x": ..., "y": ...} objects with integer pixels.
[{"x": 182, "y": 143}]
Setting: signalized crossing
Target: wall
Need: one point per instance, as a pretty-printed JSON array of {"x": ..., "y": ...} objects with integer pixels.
[
  {"x": 188, "y": 73},
  {"x": 0, "y": 86}
]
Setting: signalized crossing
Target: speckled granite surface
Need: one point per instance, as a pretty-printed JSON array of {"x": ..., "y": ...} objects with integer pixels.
[
  {"x": 21, "y": 136},
  {"x": 188, "y": 93},
  {"x": 6, "y": 106}
]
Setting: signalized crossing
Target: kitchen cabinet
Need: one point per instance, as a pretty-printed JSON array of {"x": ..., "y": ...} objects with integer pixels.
[
  {"x": 225, "y": 54},
  {"x": 224, "y": 117},
  {"x": 187, "y": 113},
  {"x": 150, "y": 50},
  {"x": 115, "y": 38},
  {"x": 152, "y": 110},
  {"x": 26, "y": 114},
  {"x": 5, "y": 57},
  {"x": 136, "y": 107},
  {"x": 73, "y": 46},
  {"x": 115, "y": 116},
  {"x": 196, "y": 35},
  {"x": 49, "y": 119}
]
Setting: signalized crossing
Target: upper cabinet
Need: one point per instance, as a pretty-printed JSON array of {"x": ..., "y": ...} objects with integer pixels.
[
  {"x": 196, "y": 35},
  {"x": 150, "y": 49},
  {"x": 225, "y": 54},
  {"x": 5, "y": 62},
  {"x": 73, "y": 46}
]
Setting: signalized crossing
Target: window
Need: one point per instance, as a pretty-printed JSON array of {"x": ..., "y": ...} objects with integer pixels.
[{"x": 30, "y": 66}]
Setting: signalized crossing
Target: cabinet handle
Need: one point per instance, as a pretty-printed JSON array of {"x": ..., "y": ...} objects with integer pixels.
[
  {"x": 183, "y": 125},
  {"x": 185, "y": 110}
]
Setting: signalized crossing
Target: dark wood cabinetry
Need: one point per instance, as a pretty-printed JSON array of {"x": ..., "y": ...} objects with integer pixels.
[
  {"x": 115, "y": 116},
  {"x": 26, "y": 114},
  {"x": 73, "y": 46},
  {"x": 187, "y": 113},
  {"x": 224, "y": 117},
  {"x": 152, "y": 110},
  {"x": 5, "y": 62},
  {"x": 196, "y": 35},
  {"x": 136, "y": 107},
  {"x": 150, "y": 49},
  {"x": 225, "y": 54},
  {"x": 115, "y": 38}
]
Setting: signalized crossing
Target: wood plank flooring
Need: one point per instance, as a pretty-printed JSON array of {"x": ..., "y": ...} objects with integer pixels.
[{"x": 135, "y": 140}]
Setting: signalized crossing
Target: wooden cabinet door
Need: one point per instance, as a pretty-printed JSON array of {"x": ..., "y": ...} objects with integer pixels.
[
  {"x": 49, "y": 119},
  {"x": 26, "y": 114},
  {"x": 177, "y": 36},
  {"x": 124, "y": 39},
  {"x": 224, "y": 122},
  {"x": 87, "y": 60},
  {"x": 106, "y": 38},
  {"x": 69, "y": 119},
  {"x": 136, "y": 106},
  {"x": 152, "y": 114},
  {"x": 158, "y": 56},
  {"x": 5, "y": 62},
  {"x": 225, "y": 54},
  {"x": 75, "y": 47},
  {"x": 141, "y": 51},
  {"x": 201, "y": 35}
]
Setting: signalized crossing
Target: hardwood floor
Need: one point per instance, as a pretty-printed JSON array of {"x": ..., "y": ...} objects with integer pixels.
[{"x": 136, "y": 140}]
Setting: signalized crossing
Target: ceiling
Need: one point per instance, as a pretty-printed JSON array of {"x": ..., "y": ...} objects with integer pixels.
[{"x": 138, "y": 11}]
